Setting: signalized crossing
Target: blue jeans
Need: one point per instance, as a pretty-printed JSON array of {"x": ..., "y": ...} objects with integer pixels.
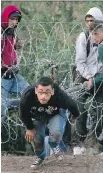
[
  {"x": 56, "y": 130},
  {"x": 14, "y": 85}
]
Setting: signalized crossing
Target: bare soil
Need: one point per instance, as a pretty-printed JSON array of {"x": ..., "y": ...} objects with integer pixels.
[{"x": 70, "y": 164}]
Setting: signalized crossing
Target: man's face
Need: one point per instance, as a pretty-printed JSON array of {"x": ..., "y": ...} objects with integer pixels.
[
  {"x": 12, "y": 22},
  {"x": 89, "y": 22},
  {"x": 44, "y": 93},
  {"x": 98, "y": 36}
]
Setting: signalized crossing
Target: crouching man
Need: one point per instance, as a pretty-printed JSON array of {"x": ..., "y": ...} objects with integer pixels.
[{"x": 41, "y": 104}]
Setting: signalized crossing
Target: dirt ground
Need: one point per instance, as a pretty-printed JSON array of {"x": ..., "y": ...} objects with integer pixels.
[{"x": 70, "y": 164}]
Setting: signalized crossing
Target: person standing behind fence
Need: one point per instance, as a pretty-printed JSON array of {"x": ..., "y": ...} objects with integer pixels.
[
  {"x": 98, "y": 80},
  {"x": 87, "y": 67},
  {"x": 45, "y": 104},
  {"x": 11, "y": 81}
]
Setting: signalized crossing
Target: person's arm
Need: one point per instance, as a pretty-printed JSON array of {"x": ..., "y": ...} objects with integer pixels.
[
  {"x": 67, "y": 102},
  {"x": 81, "y": 56},
  {"x": 100, "y": 52},
  {"x": 26, "y": 119},
  {"x": 99, "y": 78},
  {"x": 25, "y": 112},
  {"x": 94, "y": 81},
  {"x": 2, "y": 43}
]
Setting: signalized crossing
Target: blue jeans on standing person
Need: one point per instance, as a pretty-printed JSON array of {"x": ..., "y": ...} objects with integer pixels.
[
  {"x": 56, "y": 130},
  {"x": 12, "y": 85}
]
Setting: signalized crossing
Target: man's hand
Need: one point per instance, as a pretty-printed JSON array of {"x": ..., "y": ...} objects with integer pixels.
[
  {"x": 88, "y": 84},
  {"x": 30, "y": 134}
]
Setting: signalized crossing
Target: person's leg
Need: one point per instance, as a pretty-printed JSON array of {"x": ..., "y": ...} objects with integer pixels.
[
  {"x": 98, "y": 105},
  {"x": 38, "y": 143},
  {"x": 5, "y": 89},
  {"x": 19, "y": 84},
  {"x": 48, "y": 149},
  {"x": 63, "y": 143},
  {"x": 99, "y": 124},
  {"x": 96, "y": 122},
  {"x": 56, "y": 129},
  {"x": 67, "y": 134},
  {"x": 80, "y": 128}
]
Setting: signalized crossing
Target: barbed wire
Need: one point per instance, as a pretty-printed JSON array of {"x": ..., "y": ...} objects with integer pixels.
[{"x": 40, "y": 48}]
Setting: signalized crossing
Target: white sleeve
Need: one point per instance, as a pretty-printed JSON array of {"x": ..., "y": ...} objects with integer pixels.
[{"x": 81, "y": 56}]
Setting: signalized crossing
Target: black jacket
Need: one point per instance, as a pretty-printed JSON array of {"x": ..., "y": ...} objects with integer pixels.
[{"x": 30, "y": 107}]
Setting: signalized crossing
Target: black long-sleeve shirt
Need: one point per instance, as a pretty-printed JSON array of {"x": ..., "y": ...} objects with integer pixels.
[{"x": 30, "y": 107}]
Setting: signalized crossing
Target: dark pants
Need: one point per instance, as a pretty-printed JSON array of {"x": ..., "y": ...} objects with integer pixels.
[
  {"x": 67, "y": 134},
  {"x": 98, "y": 121},
  {"x": 97, "y": 104}
]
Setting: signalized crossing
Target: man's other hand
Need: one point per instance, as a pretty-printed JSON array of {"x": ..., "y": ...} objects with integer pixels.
[{"x": 30, "y": 135}]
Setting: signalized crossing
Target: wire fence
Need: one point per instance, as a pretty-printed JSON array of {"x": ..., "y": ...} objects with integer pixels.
[{"x": 48, "y": 50}]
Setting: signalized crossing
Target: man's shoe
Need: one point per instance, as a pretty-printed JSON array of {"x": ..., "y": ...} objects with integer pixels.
[
  {"x": 37, "y": 163},
  {"x": 79, "y": 150},
  {"x": 58, "y": 154}
]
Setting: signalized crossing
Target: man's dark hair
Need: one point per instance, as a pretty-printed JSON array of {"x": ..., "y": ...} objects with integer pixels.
[
  {"x": 44, "y": 81},
  {"x": 88, "y": 15},
  {"x": 98, "y": 25}
]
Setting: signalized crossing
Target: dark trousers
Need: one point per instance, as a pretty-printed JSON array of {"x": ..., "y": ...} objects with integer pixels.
[
  {"x": 98, "y": 121},
  {"x": 67, "y": 134},
  {"x": 97, "y": 104}
]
